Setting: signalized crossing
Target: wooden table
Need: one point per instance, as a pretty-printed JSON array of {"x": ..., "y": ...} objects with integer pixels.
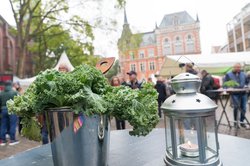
[{"x": 227, "y": 94}]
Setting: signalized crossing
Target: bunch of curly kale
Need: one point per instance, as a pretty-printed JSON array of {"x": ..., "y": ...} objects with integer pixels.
[{"x": 85, "y": 90}]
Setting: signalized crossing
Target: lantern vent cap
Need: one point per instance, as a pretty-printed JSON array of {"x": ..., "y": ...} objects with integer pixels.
[{"x": 186, "y": 83}]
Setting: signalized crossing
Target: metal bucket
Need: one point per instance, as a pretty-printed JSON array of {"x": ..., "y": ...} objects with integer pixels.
[{"x": 86, "y": 145}]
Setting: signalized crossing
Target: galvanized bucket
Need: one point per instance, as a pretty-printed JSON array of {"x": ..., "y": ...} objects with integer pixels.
[{"x": 78, "y": 139}]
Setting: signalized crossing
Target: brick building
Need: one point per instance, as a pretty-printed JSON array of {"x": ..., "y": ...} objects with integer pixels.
[
  {"x": 9, "y": 51},
  {"x": 177, "y": 34},
  {"x": 238, "y": 30}
]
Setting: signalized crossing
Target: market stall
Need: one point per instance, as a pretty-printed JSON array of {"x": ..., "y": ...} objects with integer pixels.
[
  {"x": 216, "y": 64},
  {"x": 62, "y": 60}
]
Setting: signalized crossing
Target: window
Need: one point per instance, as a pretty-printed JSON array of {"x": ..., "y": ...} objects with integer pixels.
[
  {"x": 189, "y": 43},
  {"x": 152, "y": 66},
  {"x": 141, "y": 54},
  {"x": 240, "y": 47},
  {"x": 132, "y": 67},
  {"x": 151, "y": 52},
  {"x": 132, "y": 55},
  {"x": 142, "y": 66},
  {"x": 178, "y": 46},
  {"x": 247, "y": 43},
  {"x": 167, "y": 47}
]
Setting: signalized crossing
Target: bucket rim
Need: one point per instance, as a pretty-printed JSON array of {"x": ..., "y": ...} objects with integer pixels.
[{"x": 60, "y": 109}]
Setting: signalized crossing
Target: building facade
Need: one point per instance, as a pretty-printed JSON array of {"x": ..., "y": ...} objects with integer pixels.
[
  {"x": 8, "y": 49},
  {"x": 238, "y": 31},
  {"x": 177, "y": 34},
  {"x": 9, "y": 52}
]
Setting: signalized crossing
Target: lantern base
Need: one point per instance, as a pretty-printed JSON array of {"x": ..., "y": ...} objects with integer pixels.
[{"x": 170, "y": 162}]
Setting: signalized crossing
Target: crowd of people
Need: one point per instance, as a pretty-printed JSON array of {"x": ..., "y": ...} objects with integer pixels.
[{"x": 208, "y": 83}]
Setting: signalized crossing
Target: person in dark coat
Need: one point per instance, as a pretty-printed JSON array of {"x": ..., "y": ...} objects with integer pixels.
[
  {"x": 207, "y": 83},
  {"x": 122, "y": 81},
  {"x": 8, "y": 119},
  {"x": 133, "y": 82},
  {"x": 162, "y": 93}
]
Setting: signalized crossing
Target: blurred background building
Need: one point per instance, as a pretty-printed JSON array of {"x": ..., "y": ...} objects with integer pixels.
[
  {"x": 9, "y": 51},
  {"x": 238, "y": 30},
  {"x": 177, "y": 34}
]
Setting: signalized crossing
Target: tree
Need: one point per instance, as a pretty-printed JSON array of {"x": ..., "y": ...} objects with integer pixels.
[
  {"x": 35, "y": 17},
  {"x": 56, "y": 40},
  {"x": 129, "y": 41}
]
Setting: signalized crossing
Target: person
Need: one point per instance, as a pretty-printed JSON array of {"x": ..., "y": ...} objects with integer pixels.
[
  {"x": 207, "y": 83},
  {"x": 248, "y": 78},
  {"x": 239, "y": 98},
  {"x": 122, "y": 81},
  {"x": 150, "y": 81},
  {"x": 17, "y": 87},
  {"x": 133, "y": 82},
  {"x": 63, "y": 68},
  {"x": 190, "y": 69},
  {"x": 162, "y": 92},
  {"x": 6, "y": 95},
  {"x": 120, "y": 124}
]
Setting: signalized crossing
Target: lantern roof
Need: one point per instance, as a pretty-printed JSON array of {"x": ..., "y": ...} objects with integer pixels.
[{"x": 187, "y": 99}]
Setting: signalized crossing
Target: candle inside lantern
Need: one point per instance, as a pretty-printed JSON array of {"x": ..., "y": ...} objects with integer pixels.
[{"x": 189, "y": 149}]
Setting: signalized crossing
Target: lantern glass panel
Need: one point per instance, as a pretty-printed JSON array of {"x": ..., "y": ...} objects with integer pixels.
[
  {"x": 211, "y": 144},
  {"x": 187, "y": 139},
  {"x": 168, "y": 135}
]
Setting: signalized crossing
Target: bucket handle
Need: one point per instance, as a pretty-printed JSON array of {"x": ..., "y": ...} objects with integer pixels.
[{"x": 101, "y": 128}]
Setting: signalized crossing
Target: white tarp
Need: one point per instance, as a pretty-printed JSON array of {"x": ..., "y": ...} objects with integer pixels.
[
  {"x": 63, "y": 60},
  {"x": 214, "y": 60},
  {"x": 24, "y": 82}
]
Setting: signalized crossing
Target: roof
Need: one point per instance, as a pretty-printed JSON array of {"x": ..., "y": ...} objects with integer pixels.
[
  {"x": 179, "y": 18},
  {"x": 148, "y": 38},
  {"x": 64, "y": 60},
  {"x": 213, "y": 63},
  {"x": 3, "y": 20}
]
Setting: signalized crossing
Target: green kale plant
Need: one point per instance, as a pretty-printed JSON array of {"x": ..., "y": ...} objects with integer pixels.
[
  {"x": 85, "y": 90},
  {"x": 230, "y": 84}
]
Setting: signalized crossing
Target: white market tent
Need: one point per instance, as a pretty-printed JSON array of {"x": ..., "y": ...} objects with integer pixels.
[
  {"x": 213, "y": 63},
  {"x": 63, "y": 60}
]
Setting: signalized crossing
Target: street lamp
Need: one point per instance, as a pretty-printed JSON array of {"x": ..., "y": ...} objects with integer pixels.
[{"x": 190, "y": 126}]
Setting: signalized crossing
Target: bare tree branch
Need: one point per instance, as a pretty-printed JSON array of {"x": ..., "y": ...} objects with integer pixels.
[
  {"x": 46, "y": 15},
  {"x": 44, "y": 30},
  {"x": 13, "y": 10}
]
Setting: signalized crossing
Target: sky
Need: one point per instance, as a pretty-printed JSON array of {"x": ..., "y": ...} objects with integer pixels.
[{"x": 143, "y": 14}]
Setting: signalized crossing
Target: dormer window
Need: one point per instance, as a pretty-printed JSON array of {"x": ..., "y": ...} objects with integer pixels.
[{"x": 176, "y": 20}]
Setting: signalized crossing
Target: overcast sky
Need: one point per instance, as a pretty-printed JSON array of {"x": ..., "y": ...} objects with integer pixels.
[{"x": 142, "y": 15}]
